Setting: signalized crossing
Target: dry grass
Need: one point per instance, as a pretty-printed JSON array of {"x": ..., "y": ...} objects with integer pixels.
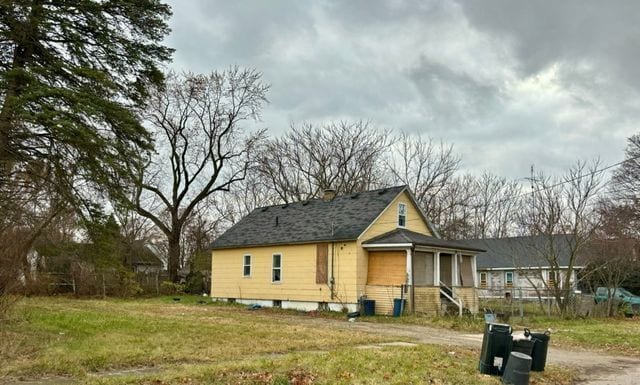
[{"x": 190, "y": 343}]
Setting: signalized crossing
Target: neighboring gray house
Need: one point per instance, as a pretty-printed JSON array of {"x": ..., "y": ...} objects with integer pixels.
[{"x": 520, "y": 266}]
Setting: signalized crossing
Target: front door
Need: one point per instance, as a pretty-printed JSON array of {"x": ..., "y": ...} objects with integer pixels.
[{"x": 445, "y": 269}]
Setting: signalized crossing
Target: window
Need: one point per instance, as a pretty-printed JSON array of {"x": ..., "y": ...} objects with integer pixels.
[
  {"x": 402, "y": 215},
  {"x": 483, "y": 279},
  {"x": 276, "y": 270},
  {"x": 508, "y": 279},
  {"x": 246, "y": 267},
  {"x": 552, "y": 279}
]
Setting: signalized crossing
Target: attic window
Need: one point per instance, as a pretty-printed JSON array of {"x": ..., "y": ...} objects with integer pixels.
[{"x": 402, "y": 215}]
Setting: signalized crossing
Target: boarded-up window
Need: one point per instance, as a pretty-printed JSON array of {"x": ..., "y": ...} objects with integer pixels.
[
  {"x": 466, "y": 271},
  {"x": 422, "y": 269},
  {"x": 322, "y": 262},
  {"x": 387, "y": 268}
]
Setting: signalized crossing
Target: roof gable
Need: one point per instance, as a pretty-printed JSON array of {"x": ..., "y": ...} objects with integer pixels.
[{"x": 343, "y": 218}]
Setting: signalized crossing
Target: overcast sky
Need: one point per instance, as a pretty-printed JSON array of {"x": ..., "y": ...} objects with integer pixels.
[{"x": 509, "y": 83}]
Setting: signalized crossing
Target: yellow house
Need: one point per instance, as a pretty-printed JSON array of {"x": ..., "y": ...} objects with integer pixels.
[{"x": 336, "y": 252}]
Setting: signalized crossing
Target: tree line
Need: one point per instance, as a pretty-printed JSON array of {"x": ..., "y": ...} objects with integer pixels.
[{"x": 99, "y": 146}]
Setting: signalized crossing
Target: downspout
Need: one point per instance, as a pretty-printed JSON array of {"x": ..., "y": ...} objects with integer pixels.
[
  {"x": 332, "y": 280},
  {"x": 412, "y": 287}
]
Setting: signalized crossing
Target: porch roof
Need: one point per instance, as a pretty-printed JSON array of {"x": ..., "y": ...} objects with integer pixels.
[{"x": 404, "y": 236}]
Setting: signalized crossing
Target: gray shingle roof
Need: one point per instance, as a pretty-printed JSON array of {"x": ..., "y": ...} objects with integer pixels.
[
  {"x": 343, "y": 218},
  {"x": 527, "y": 251},
  {"x": 408, "y": 236}
]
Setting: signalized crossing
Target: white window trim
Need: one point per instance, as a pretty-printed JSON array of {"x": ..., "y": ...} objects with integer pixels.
[
  {"x": 244, "y": 265},
  {"x": 557, "y": 279},
  {"x": 513, "y": 278},
  {"x": 273, "y": 268},
  {"x": 486, "y": 279},
  {"x": 405, "y": 215}
]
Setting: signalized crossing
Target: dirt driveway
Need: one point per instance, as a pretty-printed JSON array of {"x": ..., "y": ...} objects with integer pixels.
[{"x": 593, "y": 368}]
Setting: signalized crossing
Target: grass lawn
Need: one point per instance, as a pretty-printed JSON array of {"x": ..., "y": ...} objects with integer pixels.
[{"x": 190, "y": 343}]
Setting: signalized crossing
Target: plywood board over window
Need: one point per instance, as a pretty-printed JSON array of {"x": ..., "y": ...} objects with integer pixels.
[
  {"x": 322, "y": 262},
  {"x": 422, "y": 268},
  {"x": 466, "y": 271},
  {"x": 387, "y": 268}
]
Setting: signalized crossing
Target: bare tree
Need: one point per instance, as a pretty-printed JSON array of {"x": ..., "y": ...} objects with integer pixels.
[
  {"x": 496, "y": 203},
  {"x": 626, "y": 178},
  {"x": 426, "y": 167},
  {"x": 202, "y": 147},
  {"x": 563, "y": 210},
  {"x": 309, "y": 159}
]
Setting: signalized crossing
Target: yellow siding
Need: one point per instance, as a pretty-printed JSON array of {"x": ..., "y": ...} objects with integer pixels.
[
  {"x": 298, "y": 274},
  {"x": 383, "y": 295},
  {"x": 469, "y": 296},
  {"x": 388, "y": 220},
  {"x": 427, "y": 300},
  {"x": 299, "y": 265}
]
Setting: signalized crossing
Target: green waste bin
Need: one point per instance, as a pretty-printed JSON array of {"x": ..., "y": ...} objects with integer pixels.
[{"x": 496, "y": 345}]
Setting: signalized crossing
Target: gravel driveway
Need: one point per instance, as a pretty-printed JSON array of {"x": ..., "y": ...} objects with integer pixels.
[{"x": 593, "y": 368}]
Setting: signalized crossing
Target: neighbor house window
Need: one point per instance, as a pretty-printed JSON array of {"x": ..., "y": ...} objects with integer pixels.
[
  {"x": 276, "y": 270},
  {"x": 483, "y": 279},
  {"x": 552, "y": 279},
  {"x": 402, "y": 215},
  {"x": 508, "y": 279},
  {"x": 246, "y": 267}
]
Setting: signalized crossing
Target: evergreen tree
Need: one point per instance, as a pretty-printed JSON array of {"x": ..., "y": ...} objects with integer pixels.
[{"x": 71, "y": 72}]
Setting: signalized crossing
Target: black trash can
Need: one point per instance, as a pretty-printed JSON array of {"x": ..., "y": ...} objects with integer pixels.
[
  {"x": 539, "y": 352},
  {"x": 517, "y": 370},
  {"x": 520, "y": 345},
  {"x": 398, "y": 306},
  {"x": 368, "y": 307},
  {"x": 496, "y": 343}
]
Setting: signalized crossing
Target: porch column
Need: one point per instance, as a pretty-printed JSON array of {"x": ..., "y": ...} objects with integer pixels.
[
  {"x": 436, "y": 268},
  {"x": 409, "y": 267},
  {"x": 474, "y": 269},
  {"x": 455, "y": 277}
]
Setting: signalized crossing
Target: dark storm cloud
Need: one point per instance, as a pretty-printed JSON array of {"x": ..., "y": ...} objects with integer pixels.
[{"x": 509, "y": 83}]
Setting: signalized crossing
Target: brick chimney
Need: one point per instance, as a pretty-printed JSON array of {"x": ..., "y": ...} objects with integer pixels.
[{"x": 329, "y": 194}]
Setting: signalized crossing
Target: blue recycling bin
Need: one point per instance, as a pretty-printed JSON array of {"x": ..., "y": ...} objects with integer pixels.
[
  {"x": 368, "y": 307},
  {"x": 398, "y": 306}
]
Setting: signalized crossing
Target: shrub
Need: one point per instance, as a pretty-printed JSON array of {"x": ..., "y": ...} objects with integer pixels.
[
  {"x": 171, "y": 288},
  {"x": 195, "y": 283}
]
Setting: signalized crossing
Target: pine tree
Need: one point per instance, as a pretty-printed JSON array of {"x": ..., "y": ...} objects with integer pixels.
[{"x": 71, "y": 72}]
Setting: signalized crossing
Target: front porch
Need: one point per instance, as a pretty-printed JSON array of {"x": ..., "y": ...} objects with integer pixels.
[{"x": 431, "y": 275}]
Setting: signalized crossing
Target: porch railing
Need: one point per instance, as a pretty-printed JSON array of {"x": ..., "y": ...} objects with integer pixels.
[{"x": 447, "y": 292}]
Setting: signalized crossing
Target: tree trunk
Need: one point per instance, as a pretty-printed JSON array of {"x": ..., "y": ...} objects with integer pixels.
[
  {"x": 173, "y": 264},
  {"x": 22, "y": 54}
]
